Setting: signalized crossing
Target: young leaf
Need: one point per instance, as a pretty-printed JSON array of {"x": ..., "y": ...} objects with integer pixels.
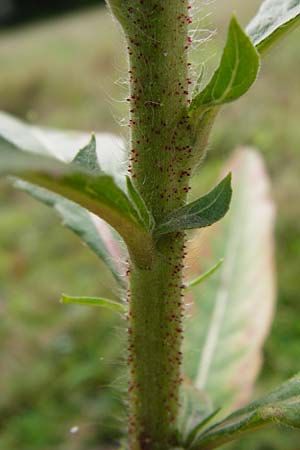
[
  {"x": 139, "y": 204},
  {"x": 204, "y": 276},
  {"x": 95, "y": 301},
  {"x": 232, "y": 311},
  {"x": 64, "y": 144},
  {"x": 87, "y": 157},
  {"x": 199, "y": 80},
  {"x": 202, "y": 212},
  {"x": 97, "y": 193},
  {"x": 81, "y": 222},
  {"x": 195, "y": 409},
  {"x": 280, "y": 407},
  {"x": 236, "y": 73},
  {"x": 273, "y": 21},
  {"x": 201, "y": 425}
]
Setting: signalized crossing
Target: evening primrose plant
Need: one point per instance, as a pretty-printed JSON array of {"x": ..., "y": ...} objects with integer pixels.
[{"x": 170, "y": 404}]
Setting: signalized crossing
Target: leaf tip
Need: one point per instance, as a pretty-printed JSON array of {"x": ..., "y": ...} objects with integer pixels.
[
  {"x": 63, "y": 299},
  {"x": 128, "y": 181},
  {"x": 234, "y": 21},
  {"x": 93, "y": 138},
  {"x": 234, "y": 25},
  {"x": 227, "y": 182}
]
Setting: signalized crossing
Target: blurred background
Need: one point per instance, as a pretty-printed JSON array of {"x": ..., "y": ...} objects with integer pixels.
[
  {"x": 14, "y": 12},
  {"x": 63, "y": 65}
]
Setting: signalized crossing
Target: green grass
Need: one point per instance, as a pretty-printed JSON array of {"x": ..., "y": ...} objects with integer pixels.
[{"x": 57, "y": 362}]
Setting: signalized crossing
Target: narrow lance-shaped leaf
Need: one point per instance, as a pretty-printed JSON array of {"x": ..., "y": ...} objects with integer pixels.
[
  {"x": 95, "y": 301},
  {"x": 97, "y": 193},
  {"x": 282, "y": 407},
  {"x": 236, "y": 73},
  {"x": 91, "y": 229},
  {"x": 81, "y": 222},
  {"x": 232, "y": 311},
  {"x": 273, "y": 21},
  {"x": 139, "y": 204},
  {"x": 202, "y": 425},
  {"x": 202, "y": 212},
  {"x": 204, "y": 276},
  {"x": 199, "y": 80}
]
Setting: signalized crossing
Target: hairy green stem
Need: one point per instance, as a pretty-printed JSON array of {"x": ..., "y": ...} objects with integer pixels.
[
  {"x": 157, "y": 46},
  {"x": 163, "y": 141},
  {"x": 155, "y": 334}
]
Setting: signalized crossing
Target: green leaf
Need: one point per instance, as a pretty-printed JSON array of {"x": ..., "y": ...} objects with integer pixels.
[
  {"x": 204, "y": 276},
  {"x": 232, "y": 311},
  {"x": 199, "y": 427},
  {"x": 64, "y": 145},
  {"x": 84, "y": 224},
  {"x": 87, "y": 157},
  {"x": 195, "y": 409},
  {"x": 236, "y": 73},
  {"x": 94, "y": 301},
  {"x": 282, "y": 407},
  {"x": 199, "y": 80},
  {"x": 274, "y": 20},
  {"x": 98, "y": 193},
  {"x": 201, "y": 213},
  {"x": 139, "y": 203}
]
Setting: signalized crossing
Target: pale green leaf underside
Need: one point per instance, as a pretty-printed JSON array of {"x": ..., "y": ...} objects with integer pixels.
[
  {"x": 282, "y": 406},
  {"x": 195, "y": 413},
  {"x": 94, "y": 301},
  {"x": 274, "y": 20},
  {"x": 80, "y": 221},
  {"x": 87, "y": 157},
  {"x": 238, "y": 301},
  {"x": 64, "y": 144},
  {"x": 98, "y": 193},
  {"x": 202, "y": 212},
  {"x": 236, "y": 73}
]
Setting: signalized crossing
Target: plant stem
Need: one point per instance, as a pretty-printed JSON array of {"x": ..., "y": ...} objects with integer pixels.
[
  {"x": 157, "y": 46},
  {"x": 161, "y": 150},
  {"x": 155, "y": 335}
]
